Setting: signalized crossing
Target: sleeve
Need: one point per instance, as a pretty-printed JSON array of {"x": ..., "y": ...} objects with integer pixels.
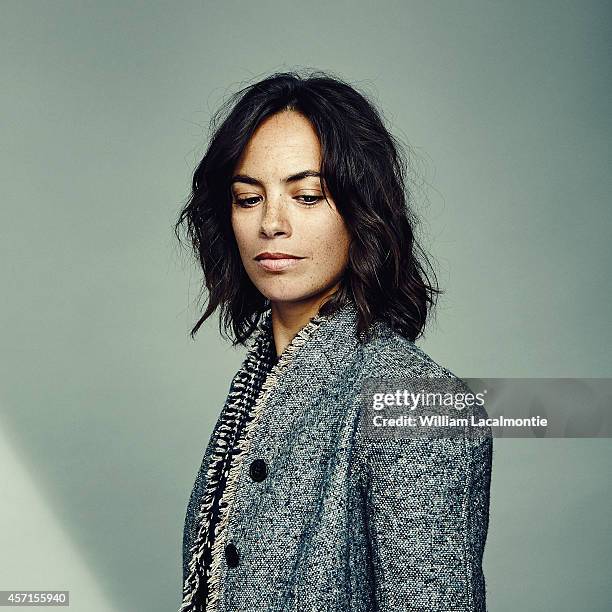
[{"x": 427, "y": 512}]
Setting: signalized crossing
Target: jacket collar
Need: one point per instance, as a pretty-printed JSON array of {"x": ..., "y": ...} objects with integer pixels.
[{"x": 320, "y": 348}]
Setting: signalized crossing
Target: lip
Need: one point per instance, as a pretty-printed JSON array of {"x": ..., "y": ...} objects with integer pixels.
[
  {"x": 276, "y": 255},
  {"x": 278, "y": 264}
]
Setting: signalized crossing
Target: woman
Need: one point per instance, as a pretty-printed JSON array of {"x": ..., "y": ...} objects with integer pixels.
[{"x": 298, "y": 217}]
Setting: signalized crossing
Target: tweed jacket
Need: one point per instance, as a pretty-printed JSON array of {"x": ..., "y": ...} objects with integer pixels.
[{"x": 336, "y": 521}]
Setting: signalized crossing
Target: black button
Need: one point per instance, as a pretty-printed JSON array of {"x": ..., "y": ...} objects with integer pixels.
[
  {"x": 231, "y": 555},
  {"x": 258, "y": 470}
]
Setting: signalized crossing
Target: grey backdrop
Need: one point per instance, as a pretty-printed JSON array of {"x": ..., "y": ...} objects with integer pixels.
[{"x": 106, "y": 404}]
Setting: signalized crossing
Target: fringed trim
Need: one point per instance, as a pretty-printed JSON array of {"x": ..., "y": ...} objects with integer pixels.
[
  {"x": 225, "y": 431},
  {"x": 242, "y": 448}
]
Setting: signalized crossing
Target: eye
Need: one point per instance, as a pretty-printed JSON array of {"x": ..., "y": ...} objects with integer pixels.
[
  {"x": 314, "y": 199},
  {"x": 247, "y": 202},
  {"x": 309, "y": 200}
]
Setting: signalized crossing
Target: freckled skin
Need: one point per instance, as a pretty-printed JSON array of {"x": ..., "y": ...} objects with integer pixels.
[{"x": 279, "y": 217}]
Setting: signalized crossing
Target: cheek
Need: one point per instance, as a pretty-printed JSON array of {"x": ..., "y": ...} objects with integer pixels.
[
  {"x": 241, "y": 232},
  {"x": 331, "y": 244}
]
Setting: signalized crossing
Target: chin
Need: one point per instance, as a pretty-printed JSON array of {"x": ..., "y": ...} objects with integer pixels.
[{"x": 288, "y": 294}]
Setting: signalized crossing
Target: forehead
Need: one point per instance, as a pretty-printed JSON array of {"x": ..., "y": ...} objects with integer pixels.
[{"x": 283, "y": 142}]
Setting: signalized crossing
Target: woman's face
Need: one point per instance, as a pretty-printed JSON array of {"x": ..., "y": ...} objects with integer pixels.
[{"x": 275, "y": 210}]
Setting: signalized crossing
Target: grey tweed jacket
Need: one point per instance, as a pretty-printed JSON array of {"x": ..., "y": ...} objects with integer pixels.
[{"x": 342, "y": 522}]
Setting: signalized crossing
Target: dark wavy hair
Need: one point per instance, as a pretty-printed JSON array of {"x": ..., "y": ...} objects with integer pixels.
[{"x": 364, "y": 168}]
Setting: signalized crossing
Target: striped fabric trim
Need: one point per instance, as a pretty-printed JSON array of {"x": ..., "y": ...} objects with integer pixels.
[{"x": 257, "y": 377}]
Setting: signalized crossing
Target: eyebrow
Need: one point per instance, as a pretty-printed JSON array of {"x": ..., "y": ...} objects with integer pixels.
[{"x": 245, "y": 178}]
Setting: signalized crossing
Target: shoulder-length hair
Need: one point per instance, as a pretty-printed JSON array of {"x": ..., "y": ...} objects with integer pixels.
[{"x": 365, "y": 170}]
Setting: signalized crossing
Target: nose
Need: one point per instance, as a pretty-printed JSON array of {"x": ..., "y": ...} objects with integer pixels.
[{"x": 274, "y": 219}]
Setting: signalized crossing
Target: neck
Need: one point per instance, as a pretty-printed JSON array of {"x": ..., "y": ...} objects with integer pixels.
[{"x": 289, "y": 317}]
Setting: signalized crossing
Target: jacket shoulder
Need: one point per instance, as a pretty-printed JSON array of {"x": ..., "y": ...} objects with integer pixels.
[{"x": 389, "y": 354}]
